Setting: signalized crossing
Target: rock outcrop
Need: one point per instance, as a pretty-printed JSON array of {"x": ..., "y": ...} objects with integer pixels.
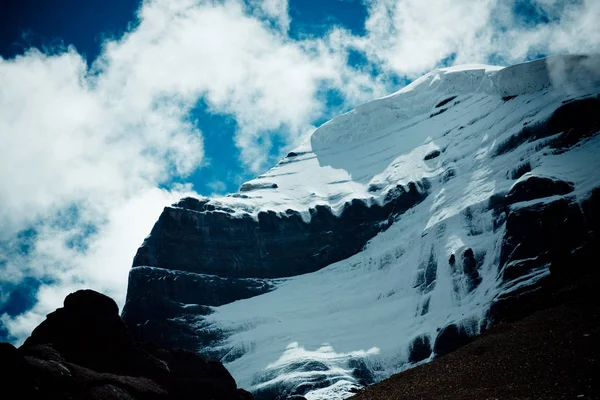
[{"x": 85, "y": 351}]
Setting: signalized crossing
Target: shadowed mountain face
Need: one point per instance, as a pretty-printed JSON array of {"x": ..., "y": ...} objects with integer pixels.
[
  {"x": 192, "y": 236},
  {"x": 85, "y": 351},
  {"x": 396, "y": 234}
]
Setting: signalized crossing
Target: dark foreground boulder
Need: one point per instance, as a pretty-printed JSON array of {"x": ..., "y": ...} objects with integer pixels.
[
  {"x": 87, "y": 331},
  {"x": 85, "y": 351}
]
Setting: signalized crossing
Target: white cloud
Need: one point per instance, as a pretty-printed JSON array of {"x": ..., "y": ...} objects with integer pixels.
[
  {"x": 66, "y": 140},
  {"x": 237, "y": 62},
  {"x": 411, "y": 37},
  {"x": 101, "y": 139},
  {"x": 276, "y": 10}
]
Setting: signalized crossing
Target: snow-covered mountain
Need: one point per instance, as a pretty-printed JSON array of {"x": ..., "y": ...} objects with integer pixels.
[{"x": 397, "y": 232}]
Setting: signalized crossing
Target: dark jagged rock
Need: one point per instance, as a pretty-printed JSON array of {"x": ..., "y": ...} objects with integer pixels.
[
  {"x": 431, "y": 155},
  {"x": 14, "y": 369},
  {"x": 177, "y": 332},
  {"x": 471, "y": 265},
  {"x": 520, "y": 170},
  {"x": 166, "y": 302},
  {"x": 445, "y": 101},
  {"x": 451, "y": 338},
  {"x": 519, "y": 268},
  {"x": 448, "y": 174},
  {"x": 168, "y": 294},
  {"x": 361, "y": 372},
  {"x": 555, "y": 228},
  {"x": 557, "y": 235},
  {"x": 537, "y": 187},
  {"x": 420, "y": 349},
  {"x": 425, "y": 306},
  {"x": 246, "y": 187},
  {"x": 84, "y": 351},
  {"x": 518, "y": 303},
  {"x": 575, "y": 121}
]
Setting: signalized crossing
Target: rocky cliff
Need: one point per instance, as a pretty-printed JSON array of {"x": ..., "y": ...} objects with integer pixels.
[{"x": 398, "y": 232}]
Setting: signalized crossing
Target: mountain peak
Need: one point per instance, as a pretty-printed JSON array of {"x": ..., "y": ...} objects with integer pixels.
[{"x": 407, "y": 225}]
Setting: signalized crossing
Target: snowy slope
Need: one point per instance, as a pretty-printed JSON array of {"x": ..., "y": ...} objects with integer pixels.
[{"x": 327, "y": 333}]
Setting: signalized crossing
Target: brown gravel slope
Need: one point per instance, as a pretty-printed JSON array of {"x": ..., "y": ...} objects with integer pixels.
[{"x": 551, "y": 354}]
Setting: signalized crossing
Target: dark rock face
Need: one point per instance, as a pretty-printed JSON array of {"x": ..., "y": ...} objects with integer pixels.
[
  {"x": 361, "y": 372},
  {"x": 420, "y": 349},
  {"x": 432, "y": 155},
  {"x": 575, "y": 121},
  {"x": 274, "y": 246},
  {"x": 540, "y": 229},
  {"x": 471, "y": 265},
  {"x": 445, "y": 101},
  {"x": 85, "y": 351},
  {"x": 246, "y": 187},
  {"x": 194, "y": 289},
  {"x": 166, "y": 294},
  {"x": 537, "y": 187},
  {"x": 452, "y": 259},
  {"x": 556, "y": 237},
  {"x": 166, "y": 300},
  {"x": 451, "y": 338}
]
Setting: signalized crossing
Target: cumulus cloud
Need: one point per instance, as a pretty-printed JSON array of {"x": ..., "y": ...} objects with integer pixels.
[
  {"x": 411, "y": 37},
  {"x": 235, "y": 61},
  {"x": 70, "y": 137},
  {"x": 86, "y": 148},
  {"x": 275, "y": 10}
]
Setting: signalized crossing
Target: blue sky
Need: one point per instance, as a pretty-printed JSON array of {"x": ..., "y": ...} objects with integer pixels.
[{"x": 112, "y": 109}]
